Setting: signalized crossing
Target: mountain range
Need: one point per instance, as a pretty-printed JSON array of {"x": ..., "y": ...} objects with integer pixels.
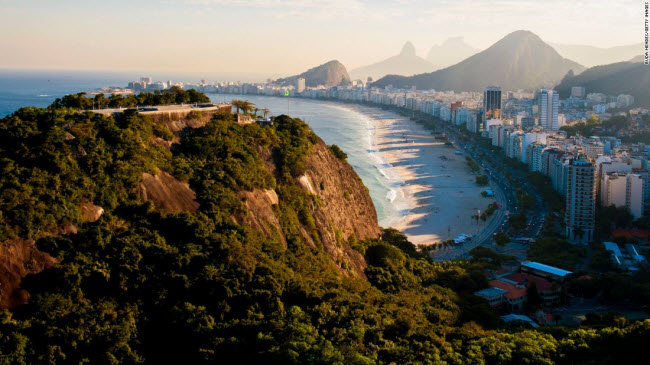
[
  {"x": 618, "y": 78},
  {"x": 521, "y": 60},
  {"x": 450, "y": 52},
  {"x": 593, "y": 56},
  {"x": 329, "y": 74},
  {"x": 406, "y": 63}
]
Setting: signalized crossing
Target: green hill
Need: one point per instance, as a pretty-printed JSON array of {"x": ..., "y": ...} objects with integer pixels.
[
  {"x": 617, "y": 78},
  {"x": 269, "y": 253}
]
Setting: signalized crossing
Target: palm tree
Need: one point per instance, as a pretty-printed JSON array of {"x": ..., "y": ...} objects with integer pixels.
[
  {"x": 244, "y": 105},
  {"x": 578, "y": 232},
  {"x": 237, "y": 104},
  {"x": 266, "y": 112}
]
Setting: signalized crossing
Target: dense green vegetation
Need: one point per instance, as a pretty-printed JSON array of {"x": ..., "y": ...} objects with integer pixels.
[
  {"x": 174, "y": 95},
  {"x": 338, "y": 152},
  {"x": 482, "y": 180},
  {"x": 557, "y": 252},
  {"x": 143, "y": 285}
]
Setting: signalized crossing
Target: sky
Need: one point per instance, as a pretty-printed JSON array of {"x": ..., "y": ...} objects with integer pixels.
[{"x": 273, "y": 37}]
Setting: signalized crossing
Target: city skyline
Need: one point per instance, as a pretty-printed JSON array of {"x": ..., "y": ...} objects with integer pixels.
[{"x": 265, "y": 36}]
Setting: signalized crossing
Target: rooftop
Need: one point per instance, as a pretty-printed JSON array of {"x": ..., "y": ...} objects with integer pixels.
[
  {"x": 542, "y": 284},
  {"x": 513, "y": 291},
  {"x": 491, "y": 292},
  {"x": 164, "y": 108},
  {"x": 519, "y": 317},
  {"x": 545, "y": 268}
]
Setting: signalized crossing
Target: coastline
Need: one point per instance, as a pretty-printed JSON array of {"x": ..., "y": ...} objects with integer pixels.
[{"x": 436, "y": 193}]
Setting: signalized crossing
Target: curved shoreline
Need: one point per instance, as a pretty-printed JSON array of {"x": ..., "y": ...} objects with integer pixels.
[
  {"x": 433, "y": 193},
  {"x": 437, "y": 183}
]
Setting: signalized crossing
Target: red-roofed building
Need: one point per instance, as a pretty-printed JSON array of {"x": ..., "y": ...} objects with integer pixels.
[
  {"x": 515, "y": 295},
  {"x": 551, "y": 293},
  {"x": 632, "y": 233}
]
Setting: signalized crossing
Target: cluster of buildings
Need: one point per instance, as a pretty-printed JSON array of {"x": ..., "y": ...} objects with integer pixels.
[
  {"x": 582, "y": 170},
  {"x": 511, "y": 290},
  {"x": 525, "y": 125}
]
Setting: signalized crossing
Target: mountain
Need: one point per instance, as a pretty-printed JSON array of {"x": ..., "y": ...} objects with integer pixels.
[
  {"x": 406, "y": 63},
  {"x": 329, "y": 74},
  {"x": 593, "y": 56},
  {"x": 521, "y": 60},
  {"x": 450, "y": 52},
  {"x": 639, "y": 58},
  {"x": 618, "y": 78}
]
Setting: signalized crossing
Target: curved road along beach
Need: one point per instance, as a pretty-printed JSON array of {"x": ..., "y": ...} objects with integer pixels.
[{"x": 438, "y": 184}]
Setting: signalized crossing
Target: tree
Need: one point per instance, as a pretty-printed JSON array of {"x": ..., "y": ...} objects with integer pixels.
[
  {"x": 534, "y": 300},
  {"x": 338, "y": 152},
  {"x": 578, "y": 232},
  {"x": 517, "y": 221},
  {"x": 501, "y": 238},
  {"x": 244, "y": 106},
  {"x": 266, "y": 112},
  {"x": 482, "y": 180}
]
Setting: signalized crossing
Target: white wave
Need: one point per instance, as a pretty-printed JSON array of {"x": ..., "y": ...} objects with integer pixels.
[{"x": 391, "y": 195}]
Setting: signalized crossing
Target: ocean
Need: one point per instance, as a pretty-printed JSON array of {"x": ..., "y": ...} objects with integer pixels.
[{"x": 335, "y": 123}]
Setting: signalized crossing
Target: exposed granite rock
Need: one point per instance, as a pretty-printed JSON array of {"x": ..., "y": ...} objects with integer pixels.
[
  {"x": 90, "y": 212},
  {"x": 346, "y": 209},
  {"x": 19, "y": 257},
  {"x": 167, "y": 193}
]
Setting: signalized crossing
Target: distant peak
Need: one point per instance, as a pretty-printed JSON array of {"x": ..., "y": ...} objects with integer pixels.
[
  {"x": 408, "y": 49},
  {"x": 521, "y": 34}
]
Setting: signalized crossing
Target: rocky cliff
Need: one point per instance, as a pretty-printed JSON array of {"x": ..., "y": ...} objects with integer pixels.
[{"x": 344, "y": 210}]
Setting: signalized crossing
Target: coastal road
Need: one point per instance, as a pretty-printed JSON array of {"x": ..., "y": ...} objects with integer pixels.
[{"x": 496, "y": 222}]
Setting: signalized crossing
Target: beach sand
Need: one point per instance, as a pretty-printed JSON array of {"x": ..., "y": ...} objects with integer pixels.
[{"x": 438, "y": 188}]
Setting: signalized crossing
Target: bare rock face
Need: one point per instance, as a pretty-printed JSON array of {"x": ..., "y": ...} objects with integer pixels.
[
  {"x": 345, "y": 207},
  {"x": 18, "y": 258},
  {"x": 259, "y": 204},
  {"x": 167, "y": 193},
  {"x": 346, "y": 210},
  {"x": 90, "y": 212}
]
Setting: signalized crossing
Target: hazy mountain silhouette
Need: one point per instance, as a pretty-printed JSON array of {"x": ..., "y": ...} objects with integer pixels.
[
  {"x": 617, "y": 78},
  {"x": 450, "y": 52},
  {"x": 638, "y": 58},
  {"x": 406, "y": 63},
  {"x": 593, "y": 56},
  {"x": 521, "y": 60},
  {"x": 329, "y": 74}
]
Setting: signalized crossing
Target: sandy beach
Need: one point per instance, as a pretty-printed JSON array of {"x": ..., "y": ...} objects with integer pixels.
[{"x": 436, "y": 190}]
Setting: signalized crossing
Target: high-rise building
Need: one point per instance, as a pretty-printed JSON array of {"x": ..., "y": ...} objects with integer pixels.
[
  {"x": 549, "y": 103},
  {"x": 300, "y": 85},
  {"x": 527, "y": 123},
  {"x": 578, "y": 92},
  {"x": 580, "y": 200},
  {"x": 146, "y": 79},
  {"x": 491, "y": 104},
  {"x": 622, "y": 189}
]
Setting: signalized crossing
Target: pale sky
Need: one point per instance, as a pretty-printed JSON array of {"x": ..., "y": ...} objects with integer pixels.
[{"x": 284, "y": 37}]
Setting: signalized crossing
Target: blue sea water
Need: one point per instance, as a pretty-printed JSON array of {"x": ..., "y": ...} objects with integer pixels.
[{"x": 347, "y": 127}]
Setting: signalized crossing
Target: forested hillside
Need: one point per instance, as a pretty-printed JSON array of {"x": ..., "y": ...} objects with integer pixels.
[{"x": 215, "y": 280}]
